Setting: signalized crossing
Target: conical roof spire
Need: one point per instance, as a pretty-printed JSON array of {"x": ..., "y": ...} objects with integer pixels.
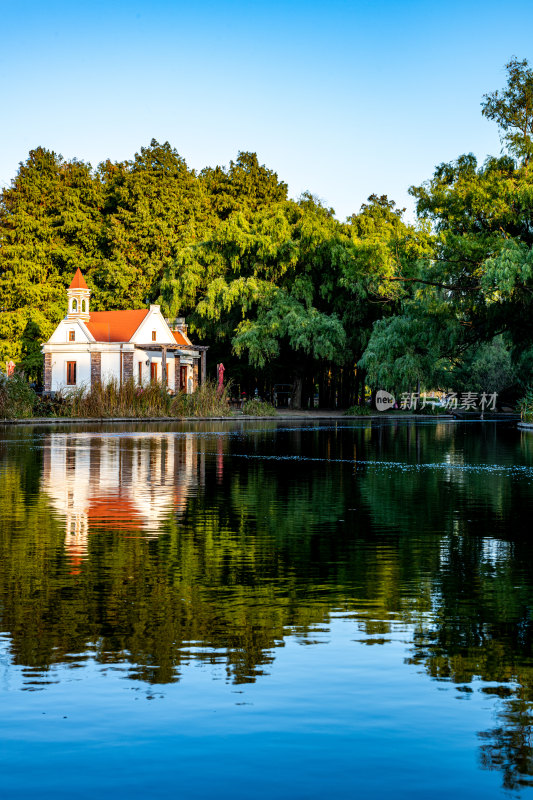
[
  {"x": 78, "y": 295},
  {"x": 78, "y": 281}
]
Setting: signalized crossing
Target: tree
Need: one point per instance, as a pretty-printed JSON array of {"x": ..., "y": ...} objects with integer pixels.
[
  {"x": 50, "y": 224},
  {"x": 512, "y": 109},
  {"x": 154, "y": 205},
  {"x": 245, "y": 187}
]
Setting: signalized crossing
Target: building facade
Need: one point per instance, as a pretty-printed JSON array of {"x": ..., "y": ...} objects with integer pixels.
[{"x": 139, "y": 345}]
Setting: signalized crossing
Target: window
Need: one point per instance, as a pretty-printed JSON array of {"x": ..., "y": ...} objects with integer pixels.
[
  {"x": 154, "y": 336},
  {"x": 153, "y": 371},
  {"x": 72, "y": 336},
  {"x": 74, "y": 305},
  {"x": 71, "y": 373},
  {"x": 140, "y": 372},
  {"x": 84, "y": 306}
]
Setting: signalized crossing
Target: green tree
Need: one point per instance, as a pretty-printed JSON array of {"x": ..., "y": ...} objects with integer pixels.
[
  {"x": 50, "y": 224},
  {"x": 512, "y": 109},
  {"x": 154, "y": 205}
]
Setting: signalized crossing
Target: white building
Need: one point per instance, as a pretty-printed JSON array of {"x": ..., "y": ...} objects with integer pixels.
[
  {"x": 89, "y": 346},
  {"x": 99, "y": 483}
]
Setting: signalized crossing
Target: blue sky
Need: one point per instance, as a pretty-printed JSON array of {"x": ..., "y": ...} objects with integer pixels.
[{"x": 342, "y": 98}]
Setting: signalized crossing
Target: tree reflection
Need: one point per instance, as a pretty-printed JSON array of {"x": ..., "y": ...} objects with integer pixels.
[
  {"x": 509, "y": 747},
  {"x": 159, "y": 549}
]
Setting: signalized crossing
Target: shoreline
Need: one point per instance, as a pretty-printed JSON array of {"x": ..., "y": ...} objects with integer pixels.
[{"x": 237, "y": 418}]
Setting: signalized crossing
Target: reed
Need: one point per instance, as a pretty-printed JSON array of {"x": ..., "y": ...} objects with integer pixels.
[
  {"x": 206, "y": 401},
  {"x": 112, "y": 399}
]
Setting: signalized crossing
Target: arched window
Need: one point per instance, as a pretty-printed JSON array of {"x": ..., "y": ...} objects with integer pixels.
[
  {"x": 83, "y": 306},
  {"x": 74, "y": 305}
]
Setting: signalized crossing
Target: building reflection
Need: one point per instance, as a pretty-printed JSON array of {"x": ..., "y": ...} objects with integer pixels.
[{"x": 130, "y": 484}]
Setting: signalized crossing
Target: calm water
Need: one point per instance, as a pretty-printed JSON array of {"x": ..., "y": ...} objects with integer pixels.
[{"x": 266, "y": 610}]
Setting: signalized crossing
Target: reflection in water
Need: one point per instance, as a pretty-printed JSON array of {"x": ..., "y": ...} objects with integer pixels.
[
  {"x": 156, "y": 550},
  {"x": 110, "y": 483}
]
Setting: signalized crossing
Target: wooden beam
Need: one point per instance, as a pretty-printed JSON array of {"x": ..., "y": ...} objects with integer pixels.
[{"x": 163, "y": 366}]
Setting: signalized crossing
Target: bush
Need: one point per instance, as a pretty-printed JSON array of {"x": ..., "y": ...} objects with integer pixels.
[
  {"x": 525, "y": 405},
  {"x": 206, "y": 401},
  {"x": 17, "y": 398},
  {"x": 360, "y": 411},
  {"x": 258, "y": 408}
]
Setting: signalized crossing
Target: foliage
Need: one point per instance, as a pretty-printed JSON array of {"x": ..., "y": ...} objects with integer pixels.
[
  {"x": 258, "y": 408},
  {"x": 512, "y": 109},
  {"x": 280, "y": 289},
  {"x": 206, "y": 401},
  {"x": 17, "y": 398},
  {"x": 112, "y": 399},
  {"x": 525, "y": 405},
  {"x": 485, "y": 368},
  {"x": 360, "y": 411}
]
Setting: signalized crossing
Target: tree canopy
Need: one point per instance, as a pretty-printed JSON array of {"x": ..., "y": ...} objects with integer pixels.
[{"x": 281, "y": 289}]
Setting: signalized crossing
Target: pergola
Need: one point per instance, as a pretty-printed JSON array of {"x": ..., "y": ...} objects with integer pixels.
[{"x": 177, "y": 348}]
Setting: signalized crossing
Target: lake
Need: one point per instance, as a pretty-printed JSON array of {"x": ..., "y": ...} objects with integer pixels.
[{"x": 266, "y": 610}]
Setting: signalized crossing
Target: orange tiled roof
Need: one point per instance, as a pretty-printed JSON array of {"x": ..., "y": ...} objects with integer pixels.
[
  {"x": 78, "y": 281},
  {"x": 113, "y": 512},
  {"x": 180, "y": 338},
  {"x": 115, "y": 326}
]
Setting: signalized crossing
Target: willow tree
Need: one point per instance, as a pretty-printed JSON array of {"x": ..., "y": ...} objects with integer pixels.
[
  {"x": 265, "y": 282},
  {"x": 478, "y": 283}
]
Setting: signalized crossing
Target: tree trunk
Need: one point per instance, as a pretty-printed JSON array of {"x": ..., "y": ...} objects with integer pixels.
[
  {"x": 322, "y": 386},
  {"x": 296, "y": 396}
]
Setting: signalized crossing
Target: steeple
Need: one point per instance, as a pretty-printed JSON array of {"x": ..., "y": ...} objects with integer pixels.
[{"x": 78, "y": 297}]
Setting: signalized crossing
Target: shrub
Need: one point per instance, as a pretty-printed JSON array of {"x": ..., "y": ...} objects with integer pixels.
[
  {"x": 525, "y": 405},
  {"x": 258, "y": 408},
  {"x": 17, "y": 398},
  {"x": 206, "y": 401},
  {"x": 360, "y": 411}
]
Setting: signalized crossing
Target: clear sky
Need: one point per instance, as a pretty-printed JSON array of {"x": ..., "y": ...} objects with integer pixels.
[{"x": 341, "y": 98}]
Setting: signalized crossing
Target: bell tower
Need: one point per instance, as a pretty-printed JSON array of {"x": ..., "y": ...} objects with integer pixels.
[{"x": 78, "y": 298}]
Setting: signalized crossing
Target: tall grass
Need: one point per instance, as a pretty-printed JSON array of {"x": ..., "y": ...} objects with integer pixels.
[
  {"x": 112, "y": 399},
  {"x": 206, "y": 401}
]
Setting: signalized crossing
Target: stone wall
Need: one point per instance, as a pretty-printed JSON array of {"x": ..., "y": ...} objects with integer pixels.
[
  {"x": 48, "y": 372},
  {"x": 96, "y": 368},
  {"x": 127, "y": 366},
  {"x": 195, "y": 375}
]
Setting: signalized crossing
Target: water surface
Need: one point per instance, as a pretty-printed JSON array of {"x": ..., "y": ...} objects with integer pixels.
[{"x": 266, "y": 610}]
